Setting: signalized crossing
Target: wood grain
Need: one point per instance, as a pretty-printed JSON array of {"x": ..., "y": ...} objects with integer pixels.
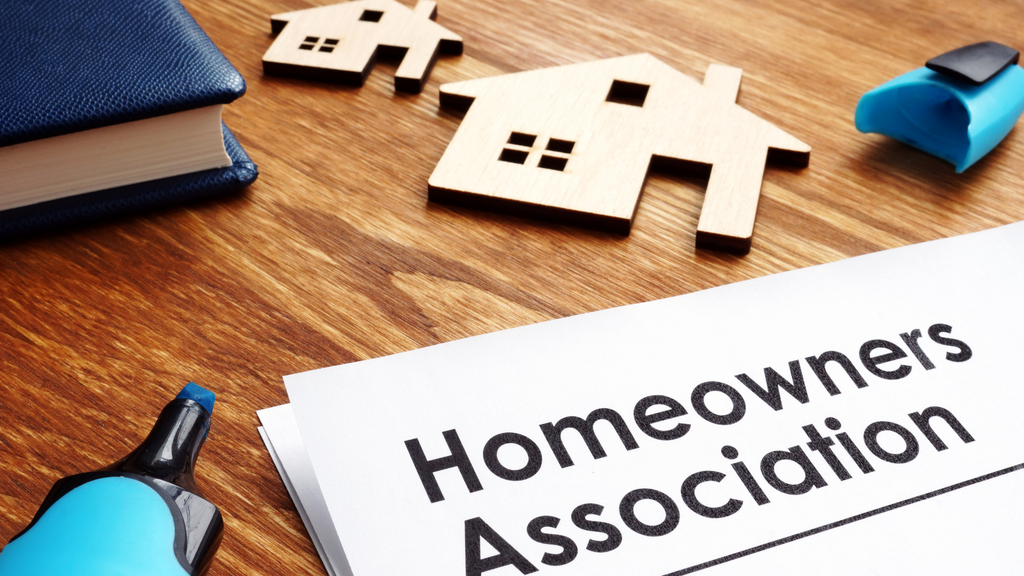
[
  {"x": 335, "y": 255},
  {"x": 576, "y": 143},
  {"x": 341, "y": 42}
]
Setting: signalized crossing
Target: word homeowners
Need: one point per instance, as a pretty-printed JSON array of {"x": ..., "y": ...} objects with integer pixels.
[{"x": 876, "y": 357}]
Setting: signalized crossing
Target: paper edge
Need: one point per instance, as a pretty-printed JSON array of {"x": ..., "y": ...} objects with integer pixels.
[{"x": 297, "y": 502}]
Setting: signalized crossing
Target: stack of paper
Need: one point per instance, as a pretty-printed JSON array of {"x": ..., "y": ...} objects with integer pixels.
[{"x": 860, "y": 417}]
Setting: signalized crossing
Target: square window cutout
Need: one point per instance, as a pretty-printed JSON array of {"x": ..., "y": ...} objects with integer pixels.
[
  {"x": 563, "y": 146},
  {"x": 553, "y": 163},
  {"x": 513, "y": 156},
  {"x": 371, "y": 16},
  {"x": 628, "y": 93},
  {"x": 520, "y": 139}
]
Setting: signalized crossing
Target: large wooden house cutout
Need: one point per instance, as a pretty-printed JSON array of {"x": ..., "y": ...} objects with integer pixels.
[
  {"x": 575, "y": 143},
  {"x": 341, "y": 42}
]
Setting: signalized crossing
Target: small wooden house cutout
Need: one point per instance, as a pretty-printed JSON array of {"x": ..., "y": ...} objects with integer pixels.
[
  {"x": 341, "y": 42},
  {"x": 574, "y": 143}
]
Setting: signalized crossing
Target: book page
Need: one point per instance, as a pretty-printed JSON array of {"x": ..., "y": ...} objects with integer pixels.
[{"x": 856, "y": 417}]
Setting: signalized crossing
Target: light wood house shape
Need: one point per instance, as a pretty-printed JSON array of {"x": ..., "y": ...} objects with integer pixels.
[
  {"x": 575, "y": 143},
  {"x": 341, "y": 42}
]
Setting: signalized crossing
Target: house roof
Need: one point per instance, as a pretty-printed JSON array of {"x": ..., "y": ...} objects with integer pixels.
[
  {"x": 278, "y": 21},
  {"x": 547, "y": 86}
]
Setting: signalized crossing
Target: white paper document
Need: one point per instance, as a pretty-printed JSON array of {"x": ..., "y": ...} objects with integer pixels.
[
  {"x": 859, "y": 417},
  {"x": 292, "y": 462}
]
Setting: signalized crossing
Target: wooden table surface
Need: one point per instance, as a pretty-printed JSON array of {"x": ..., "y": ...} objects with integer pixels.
[{"x": 334, "y": 255}]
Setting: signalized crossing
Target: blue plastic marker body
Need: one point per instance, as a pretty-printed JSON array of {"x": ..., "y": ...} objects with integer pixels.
[
  {"x": 952, "y": 119},
  {"x": 142, "y": 515}
]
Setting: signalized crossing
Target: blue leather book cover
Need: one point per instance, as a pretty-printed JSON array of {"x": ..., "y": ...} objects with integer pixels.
[{"x": 74, "y": 65}]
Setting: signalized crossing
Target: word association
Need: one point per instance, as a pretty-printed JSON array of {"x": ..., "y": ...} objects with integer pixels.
[{"x": 873, "y": 354}]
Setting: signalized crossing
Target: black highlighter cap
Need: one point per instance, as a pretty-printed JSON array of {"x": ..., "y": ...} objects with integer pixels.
[
  {"x": 170, "y": 451},
  {"x": 975, "y": 64}
]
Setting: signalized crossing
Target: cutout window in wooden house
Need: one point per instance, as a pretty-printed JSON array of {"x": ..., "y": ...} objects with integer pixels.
[
  {"x": 628, "y": 93},
  {"x": 371, "y": 16},
  {"x": 563, "y": 146},
  {"x": 520, "y": 148},
  {"x": 513, "y": 156},
  {"x": 329, "y": 45},
  {"x": 312, "y": 42},
  {"x": 553, "y": 162},
  {"x": 553, "y": 158},
  {"x": 520, "y": 139}
]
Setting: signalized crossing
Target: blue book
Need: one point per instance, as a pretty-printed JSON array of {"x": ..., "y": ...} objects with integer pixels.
[{"x": 109, "y": 107}]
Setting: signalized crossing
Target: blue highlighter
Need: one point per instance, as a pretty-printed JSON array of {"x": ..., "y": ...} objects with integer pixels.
[
  {"x": 142, "y": 515},
  {"x": 958, "y": 107}
]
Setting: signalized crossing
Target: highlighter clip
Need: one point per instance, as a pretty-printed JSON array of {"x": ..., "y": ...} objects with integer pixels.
[{"x": 958, "y": 107}]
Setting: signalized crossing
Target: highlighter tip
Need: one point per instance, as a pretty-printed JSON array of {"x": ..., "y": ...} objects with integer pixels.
[{"x": 204, "y": 397}]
